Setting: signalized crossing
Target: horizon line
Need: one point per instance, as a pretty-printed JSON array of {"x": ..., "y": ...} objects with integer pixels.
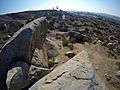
[{"x": 20, "y": 11}]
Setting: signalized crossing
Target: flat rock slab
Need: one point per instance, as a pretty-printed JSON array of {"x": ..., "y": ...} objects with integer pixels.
[{"x": 76, "y": 74}]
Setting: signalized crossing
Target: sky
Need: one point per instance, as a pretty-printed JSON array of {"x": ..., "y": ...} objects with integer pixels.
[{"x": 111, "y": 7}]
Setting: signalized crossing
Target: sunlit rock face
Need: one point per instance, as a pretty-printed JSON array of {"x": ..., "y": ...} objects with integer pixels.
[
  {"x": 76, "y": 74},
  {"x": 21, "y": 46}
]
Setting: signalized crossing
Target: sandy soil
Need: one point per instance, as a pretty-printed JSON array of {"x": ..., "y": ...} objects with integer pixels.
[{"x": 104, "y": 65}]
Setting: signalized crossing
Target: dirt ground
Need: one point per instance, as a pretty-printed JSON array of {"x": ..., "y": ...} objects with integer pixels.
[{"x": 104, "y": 64}]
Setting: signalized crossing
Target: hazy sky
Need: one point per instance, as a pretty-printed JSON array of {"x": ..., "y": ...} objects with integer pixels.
[{"x": 103, "y": 6}]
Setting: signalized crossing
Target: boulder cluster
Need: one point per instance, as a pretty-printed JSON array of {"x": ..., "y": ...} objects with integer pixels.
[{"x": 29, "y": 46}]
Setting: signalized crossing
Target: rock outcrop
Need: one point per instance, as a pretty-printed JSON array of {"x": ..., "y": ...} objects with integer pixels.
[
  {"x": 52, "y": 48},
  {"x": 78, "y": 37},
  {"x": 76, "y": 74},
  {"x": 36, "y": 73},
  {"x": 70, "y": 54},
  {"x": 17, "y": 77},
  {"x": 21, "y": 47},
  {"x": 40, "y": 58}
]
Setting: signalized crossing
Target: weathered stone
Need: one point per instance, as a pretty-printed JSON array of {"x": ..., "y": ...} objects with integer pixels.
[
  {"x": 56, "y": 61},
  {"x": 118, "y": 74},
  {"x": 108, "y": 75},
  {"x": 40, "y": 58},
  {"x": 63, "y": 27},
  {"x": 70, "y": 46},
  {"x": 76, "y": 74},
  {"x": 21, "y": 47},
  {"x": 52, "y": 49},
  {"x": 3, "y": 26},
  {"x": 70, "y": 54},
  {"x": 76, "y": 36},
  {"x": 36, "y": 73},
  {"x": 17, "y": 77}
]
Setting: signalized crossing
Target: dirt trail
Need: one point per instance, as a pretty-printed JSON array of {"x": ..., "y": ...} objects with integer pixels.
[{"x": 102, "y": 63}]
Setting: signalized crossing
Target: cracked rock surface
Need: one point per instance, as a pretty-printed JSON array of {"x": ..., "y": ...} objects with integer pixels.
[{"x": 76, "y": 74}]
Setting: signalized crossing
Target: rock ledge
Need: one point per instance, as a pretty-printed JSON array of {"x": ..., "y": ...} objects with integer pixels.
[{"x": 76, "y": 74}]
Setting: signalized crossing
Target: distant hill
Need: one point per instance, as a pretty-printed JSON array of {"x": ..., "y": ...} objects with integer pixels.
[{"x": 110, "y": 16}]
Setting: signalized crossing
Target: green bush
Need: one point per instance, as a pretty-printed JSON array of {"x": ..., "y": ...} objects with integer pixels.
[
  {"x": 87, "y": 39},
  {"x": 51, "y": 63},
  {"x": 65, "y": 42}
]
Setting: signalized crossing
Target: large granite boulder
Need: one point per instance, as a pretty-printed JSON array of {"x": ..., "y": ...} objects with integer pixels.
[
  {"x": 17, "y": 77},
  {"x": 77, "y": 36},
  {"x": 21, "y": 46},
  {"x": 40, "y": 58},
  {"x": 70, "y": 54},
  {"x": 76, "y": 74},
  {"x": 36, "y": 73},
  {"x": 52, "y": 48}
]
